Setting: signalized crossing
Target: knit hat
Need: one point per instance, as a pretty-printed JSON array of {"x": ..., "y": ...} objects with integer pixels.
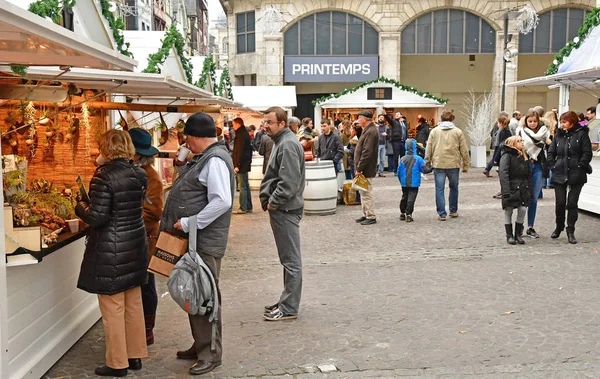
[{"x": 200, "y": 125}]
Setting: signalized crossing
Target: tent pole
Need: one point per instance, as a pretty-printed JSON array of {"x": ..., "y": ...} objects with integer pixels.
[
  {"x": 564, "y": 98},
  {"x": 504, "y": 62}
]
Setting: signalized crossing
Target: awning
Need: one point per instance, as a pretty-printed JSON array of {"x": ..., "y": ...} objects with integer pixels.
[
  {"x": 135, "y": 84},
  {"x": 260, "y": 98},
  {"x": 27, "y": 39},
  {"x": 582, "y": 77}
]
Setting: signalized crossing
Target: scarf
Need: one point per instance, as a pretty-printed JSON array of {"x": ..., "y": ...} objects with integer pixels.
[{"x": 533, "y": 142}]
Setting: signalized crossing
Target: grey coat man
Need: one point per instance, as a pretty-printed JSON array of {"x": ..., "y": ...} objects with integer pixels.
[{"x": 281, "y": 193}]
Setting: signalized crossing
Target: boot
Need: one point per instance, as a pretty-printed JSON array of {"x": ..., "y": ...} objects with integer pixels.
[
  {"x": 556, "y": 233},
  {"x": 519, "y": 233},
  {"x": 509, "y": 234},
  {"x": 149, "y": 320},
  {"x": 571, "y": 236}
]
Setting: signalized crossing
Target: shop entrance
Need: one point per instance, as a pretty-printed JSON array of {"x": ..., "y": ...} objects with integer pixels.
[{"x": 305, "y": 108}]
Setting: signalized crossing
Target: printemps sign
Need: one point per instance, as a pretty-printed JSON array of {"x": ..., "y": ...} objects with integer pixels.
[{"x": 330, "y": 69}]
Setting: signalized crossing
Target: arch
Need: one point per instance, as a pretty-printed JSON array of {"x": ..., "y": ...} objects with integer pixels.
[
  {"x": 557, "y": 26},
  {"x": 297, "y": 19},
  {"x": 486, "y": 18},
  {"x": 448, "y": 30},
  {"x": 331, "y": 32}
]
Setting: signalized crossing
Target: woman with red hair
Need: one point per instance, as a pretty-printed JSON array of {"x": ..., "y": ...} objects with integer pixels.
[{"x": 569, "y": 156}]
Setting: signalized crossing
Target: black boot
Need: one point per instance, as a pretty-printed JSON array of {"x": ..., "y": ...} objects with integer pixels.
[
  {"x": 556, "y": 233},
  {"x": 519, "y": 233},
  {"x": 509, "y": 234},
  {"x": 571, "y": 236}
]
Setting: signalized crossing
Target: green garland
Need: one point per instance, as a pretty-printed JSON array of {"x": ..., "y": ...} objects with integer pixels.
[
  {"x": 209, "y": 69},
  {"x": 117, "y": 26},
  {"x": 225, "y": 84},
  {"x": 591, "y": 21},
  {"x": 396, "y": 84},
  {"x": 50, "y": 8},
  {"x": 172, "y": 38}
]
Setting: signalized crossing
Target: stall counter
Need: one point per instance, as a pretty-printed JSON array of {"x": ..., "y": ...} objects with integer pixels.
[
  {"x": 589, "y": 200},
  {"x": 47, "y": 314}
]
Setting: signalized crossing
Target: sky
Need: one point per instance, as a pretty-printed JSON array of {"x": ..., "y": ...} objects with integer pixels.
[{"x": 214, "y": 10}]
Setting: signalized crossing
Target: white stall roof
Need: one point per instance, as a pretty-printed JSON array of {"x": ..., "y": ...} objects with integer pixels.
[
  {"x": 27, "y": 39},
  {"x": 260, "y": 98},
  {"x": 583, "y": 77},
  {"x": 400, "y": 99},
  {"x": 134, "y": 83},
  {"x": 145, "y": 43}
]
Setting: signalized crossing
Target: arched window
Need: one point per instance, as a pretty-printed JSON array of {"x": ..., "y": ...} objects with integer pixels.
[
  {"x": 555, "y": 29},
  {"x": 331, "y": 33},
  {"x": 449, "y": 31}
]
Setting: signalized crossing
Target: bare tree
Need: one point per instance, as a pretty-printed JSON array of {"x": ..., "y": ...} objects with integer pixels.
[{"x": 480, "y": 113}]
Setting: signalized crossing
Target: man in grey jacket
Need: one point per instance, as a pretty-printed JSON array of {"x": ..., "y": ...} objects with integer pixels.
[{"x": 281, "y": 194}]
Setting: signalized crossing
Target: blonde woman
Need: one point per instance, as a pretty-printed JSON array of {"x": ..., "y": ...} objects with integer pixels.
[
  {"x": 551, "y": 123},
  {"x": 515, "y": 186},
  {"x": 116, "y": 254}
]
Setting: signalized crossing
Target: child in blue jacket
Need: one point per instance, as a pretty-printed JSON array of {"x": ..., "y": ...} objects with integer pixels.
[{"x": 409, "y": 174}]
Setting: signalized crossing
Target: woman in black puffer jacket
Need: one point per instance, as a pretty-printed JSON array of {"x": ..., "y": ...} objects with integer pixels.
[
  {"x": 569, "y": 157},
  {"x": 516, "y": 182},
  {"x": 116, "y": 254}
]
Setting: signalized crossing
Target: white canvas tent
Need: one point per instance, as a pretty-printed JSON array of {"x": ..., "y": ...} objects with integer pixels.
[
  {"x": 580, "y": 70},
  {"x": 359, "y": 99},
  {"x": 260, "y": 98}
]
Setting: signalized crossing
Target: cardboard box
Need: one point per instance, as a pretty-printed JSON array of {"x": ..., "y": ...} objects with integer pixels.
[{"x": 169, "y": 249}]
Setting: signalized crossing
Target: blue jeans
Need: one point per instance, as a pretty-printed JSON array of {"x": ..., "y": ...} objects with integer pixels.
[
  {"x": 381, "y": 159},
  {"x": 440, "y": 175},
  {"x": 548, "y": 181},
  {"x": 536, "y": 169},
  {"x": 245, "y": 195}
]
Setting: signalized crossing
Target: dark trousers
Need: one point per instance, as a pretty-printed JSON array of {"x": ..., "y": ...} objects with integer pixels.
[
  {"x": 409, "y": 196},
  {"x": 149, "y": 296},
  {"x": 391, "y": 163},
  {"x": 286, "y": 230},
  {"x": 399, "y": 151},
  {"x": 566, "y": 200},
  {"x": 201, "y": 327}
]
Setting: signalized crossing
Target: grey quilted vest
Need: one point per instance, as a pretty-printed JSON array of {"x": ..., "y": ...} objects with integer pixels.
[{"x": 189, "y": 197}]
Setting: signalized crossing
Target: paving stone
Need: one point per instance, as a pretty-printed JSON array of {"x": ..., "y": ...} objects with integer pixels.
[{"x": 396, "y": 299}]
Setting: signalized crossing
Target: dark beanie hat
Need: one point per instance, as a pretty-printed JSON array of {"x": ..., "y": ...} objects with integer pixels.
[{"x": 200, "y": 125}]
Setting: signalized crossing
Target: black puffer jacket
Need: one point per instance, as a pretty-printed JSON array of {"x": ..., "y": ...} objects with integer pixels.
[
  {"x": 116, "y": 254},
  {"x": 515, "y": 179},
  {"x": 569, "y": 155}
]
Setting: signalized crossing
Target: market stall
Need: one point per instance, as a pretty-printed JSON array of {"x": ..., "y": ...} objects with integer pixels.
[
  {"x": 260, "y": 98},
  {"x": 379, "y": 95},
  {"x": 50, "y": 123},
  {"x": 578, "y": 68},
  {"x": 42, "y": 314}
]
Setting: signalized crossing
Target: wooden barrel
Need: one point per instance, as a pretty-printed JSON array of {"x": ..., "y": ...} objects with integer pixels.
[
  {"x": 255, "y": 175},
  {"x": 320, "y": 193}
]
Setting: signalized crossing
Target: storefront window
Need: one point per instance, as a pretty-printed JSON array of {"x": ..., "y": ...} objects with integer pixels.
[
  {"x": 245, "y": 26},
  {"x": 449, "y": 31},
  {"x": 331, "y": 33},
  {"x": 555, "y": 29}
]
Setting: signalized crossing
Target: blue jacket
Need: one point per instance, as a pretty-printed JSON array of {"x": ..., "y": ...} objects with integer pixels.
[{"x": 411, "y": 166}]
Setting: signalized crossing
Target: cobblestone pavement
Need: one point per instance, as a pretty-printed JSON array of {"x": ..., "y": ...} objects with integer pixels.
[{"x": 426, "y": 299}]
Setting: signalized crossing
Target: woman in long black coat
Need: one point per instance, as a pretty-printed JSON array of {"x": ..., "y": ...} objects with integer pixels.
[
  {"x": 569, "y": 157},
  {"x": 515, "y": 186},
  {"x": 116, "y": 254}
]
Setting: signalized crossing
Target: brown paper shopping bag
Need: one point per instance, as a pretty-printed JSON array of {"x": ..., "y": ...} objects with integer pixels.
[{"x": 169, "y": 249}]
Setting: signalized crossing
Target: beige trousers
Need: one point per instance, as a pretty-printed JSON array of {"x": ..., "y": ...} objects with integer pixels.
[
  {"x": 124, "y": 328},
  {"x": 366, "y": 199}
]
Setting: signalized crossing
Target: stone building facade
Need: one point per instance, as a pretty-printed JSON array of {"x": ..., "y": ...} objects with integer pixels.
[{"x": 446, "y": 47}]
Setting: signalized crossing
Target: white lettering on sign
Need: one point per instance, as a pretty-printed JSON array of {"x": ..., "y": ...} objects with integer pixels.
[{"x": 331, "y": 69}]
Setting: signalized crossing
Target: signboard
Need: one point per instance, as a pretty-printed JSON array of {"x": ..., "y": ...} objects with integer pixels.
[{"x": 312, "y": 69}]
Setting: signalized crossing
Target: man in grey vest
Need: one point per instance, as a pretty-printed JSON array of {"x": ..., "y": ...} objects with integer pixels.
[
  {"x": 204, "y": 188},
  {"x": 281, "y": 194}
]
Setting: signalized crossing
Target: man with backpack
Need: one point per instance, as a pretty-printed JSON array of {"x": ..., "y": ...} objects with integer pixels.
[{"x": 204, "y": 192}]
